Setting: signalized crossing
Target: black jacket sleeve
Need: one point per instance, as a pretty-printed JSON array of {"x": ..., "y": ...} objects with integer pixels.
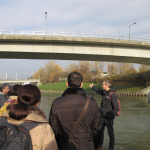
[
  {"x": 115, "y": 105},
  {"x": 98, "y": 90}
]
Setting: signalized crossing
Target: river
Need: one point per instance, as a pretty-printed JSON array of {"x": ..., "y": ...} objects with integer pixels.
[{"x": 132, "y": 128}]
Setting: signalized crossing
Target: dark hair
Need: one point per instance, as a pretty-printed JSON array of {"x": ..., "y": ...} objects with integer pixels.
[
  {"x": 14, "y": 90},
  {"x": 75, "y": 79},
  {"x": 3, "y": 86},
  {"x": 28, "y": 95}
]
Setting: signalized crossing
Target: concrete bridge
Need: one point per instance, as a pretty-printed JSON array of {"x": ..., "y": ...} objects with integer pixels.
[
  {"x": 22, "y": 82},
  {"x": 74, "y": 48}
]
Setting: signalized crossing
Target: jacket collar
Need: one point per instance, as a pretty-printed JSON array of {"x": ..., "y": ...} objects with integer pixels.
[
  {"x": 36, "y": 115},
  {"x": 76, "y": 91},
  {"x": 2, "y": 93},
  {"x": 112, "y": 89}
]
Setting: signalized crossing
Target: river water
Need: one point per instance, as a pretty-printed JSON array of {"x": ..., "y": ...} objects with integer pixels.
[{"x": 132, "y": 128}]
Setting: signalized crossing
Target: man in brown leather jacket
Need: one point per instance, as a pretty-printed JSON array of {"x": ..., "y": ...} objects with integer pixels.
[{"x": 65, "y": 111}]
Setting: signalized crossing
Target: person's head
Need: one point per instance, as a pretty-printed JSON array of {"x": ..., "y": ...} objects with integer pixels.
[
  {"x": 5, "y": 88},
  {"x": 106, "y": 85},
  {"x": 14, "y": 90},
  {"x": 28, "y": 95},
  {"x": 75, "y": 80}
]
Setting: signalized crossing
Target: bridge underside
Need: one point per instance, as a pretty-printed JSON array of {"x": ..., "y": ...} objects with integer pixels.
[
  {"x": 66, "y": 48},
  {"x": 64, "y": 56}
]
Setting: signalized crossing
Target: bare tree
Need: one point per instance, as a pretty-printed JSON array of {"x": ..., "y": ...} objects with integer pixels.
[{"x": 143, "y": 68}]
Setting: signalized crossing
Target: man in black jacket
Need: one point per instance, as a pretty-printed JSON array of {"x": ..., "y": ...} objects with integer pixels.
[
  {"x": 64, "y": 113},
  {"x": 109, "y": 108}
]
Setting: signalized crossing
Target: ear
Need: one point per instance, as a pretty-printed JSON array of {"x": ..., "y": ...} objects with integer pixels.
[
  {"x": 81, "y": 85},
  {"x": 67, "y": 83},
  {"x": 37, "y": 104}
]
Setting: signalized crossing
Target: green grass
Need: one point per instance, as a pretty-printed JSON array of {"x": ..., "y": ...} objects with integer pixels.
[
  {"x": 120, "y": 86},
  {"x": 62, "y": 86},
  {"x": 55, "y": 86}
]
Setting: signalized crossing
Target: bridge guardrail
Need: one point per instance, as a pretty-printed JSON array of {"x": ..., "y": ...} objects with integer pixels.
[{"x": 67, "y": 34}]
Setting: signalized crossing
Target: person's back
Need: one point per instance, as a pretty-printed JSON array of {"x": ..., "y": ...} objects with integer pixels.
[
  {"x": 65, "y": 112},
  {"x": 26, "y": 110}
]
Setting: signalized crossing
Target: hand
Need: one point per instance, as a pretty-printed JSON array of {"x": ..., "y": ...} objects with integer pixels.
[{"x": 91, "y": 85}]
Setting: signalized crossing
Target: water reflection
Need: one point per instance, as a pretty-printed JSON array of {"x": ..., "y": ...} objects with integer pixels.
[{"x": 132, "y": 128}]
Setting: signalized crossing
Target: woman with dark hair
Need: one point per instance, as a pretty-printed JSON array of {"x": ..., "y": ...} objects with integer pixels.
[
  {"x": 27, "y": 110},
  {"x": 13, "y": 98}
]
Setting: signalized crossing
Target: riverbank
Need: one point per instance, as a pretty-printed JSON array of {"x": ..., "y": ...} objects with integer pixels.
[
  {"x": 94, "y": 93},
  {"x": 122, "y": 87}
]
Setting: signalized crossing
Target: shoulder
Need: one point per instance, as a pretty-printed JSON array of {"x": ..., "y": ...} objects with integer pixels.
[
  {"x": 41, "y": 135},
  {"x": 2, "y": 96},
  {"x": 113, "y": 96},
  {"x": 93, "y": 101}
]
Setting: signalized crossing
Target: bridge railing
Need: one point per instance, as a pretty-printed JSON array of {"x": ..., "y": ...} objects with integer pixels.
[{"x": 67, "y": 34}]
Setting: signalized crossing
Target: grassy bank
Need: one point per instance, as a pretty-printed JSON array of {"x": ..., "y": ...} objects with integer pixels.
[{"x": 120, "y": 86}]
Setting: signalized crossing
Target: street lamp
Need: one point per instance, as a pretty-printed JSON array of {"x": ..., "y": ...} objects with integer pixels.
[
  {"x": 46, "y": 21},
  {"x": 129, "y": 29}
]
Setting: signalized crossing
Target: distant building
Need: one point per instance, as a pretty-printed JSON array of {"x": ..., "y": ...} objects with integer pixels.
[
  {"x": 103, "y": 74},
  {"x": 26, "y": 83}
]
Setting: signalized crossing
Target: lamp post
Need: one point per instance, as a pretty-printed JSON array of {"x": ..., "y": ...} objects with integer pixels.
[
  {"x": 46, "y": 21},
  {"x": 129, "y": 29}
]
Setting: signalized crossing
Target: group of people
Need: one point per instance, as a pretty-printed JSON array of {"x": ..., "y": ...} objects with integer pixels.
[{"x": 22, "y": 106}]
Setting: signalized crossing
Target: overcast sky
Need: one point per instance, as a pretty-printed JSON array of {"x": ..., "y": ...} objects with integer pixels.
[{"x": 107, "y": 17}]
